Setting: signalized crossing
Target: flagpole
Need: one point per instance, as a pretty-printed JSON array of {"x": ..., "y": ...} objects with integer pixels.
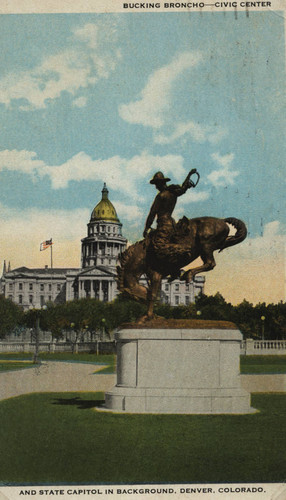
[
  {"x": 52, "y": 294},
  {"x": 51, "y": 256}
]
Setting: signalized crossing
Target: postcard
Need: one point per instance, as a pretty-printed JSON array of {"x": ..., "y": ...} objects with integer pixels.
[{"x": 103, "y": 103}]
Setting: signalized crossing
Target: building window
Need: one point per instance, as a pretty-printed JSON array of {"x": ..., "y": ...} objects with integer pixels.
[
  {"x": 20, "y": 286},
  {"x": 187, "y": 300},
  {"x": 42, "y": 300},
  {"x": 10, "y": 286},
  {"x": 50, "y": 287},
  {"x": 167, "y": 287},
  {"x": 167, "y": 299},
  {"x": 58, "y": 287},
  {"x": 30, "y": 286},
  {"x": 42, "y": 287},
  {"x": 20, "y": 299},
  {"x": 177, "y": 287},
  {"x": 10, "y": 297},
  {"x": 177, "y": 299},
  {"x": 50, "y": 298},
  {"x": 187, "y": 287},
  {"x": 30, "y": 299}
]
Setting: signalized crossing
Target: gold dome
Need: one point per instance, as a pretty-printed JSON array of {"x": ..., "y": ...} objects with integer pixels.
[{"x": 104, "y": 210}]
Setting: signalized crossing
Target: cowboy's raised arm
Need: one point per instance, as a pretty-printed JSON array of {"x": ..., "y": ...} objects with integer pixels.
[
  {"x": 188, "y": 183},
  {"x": 151, "y": 216}
]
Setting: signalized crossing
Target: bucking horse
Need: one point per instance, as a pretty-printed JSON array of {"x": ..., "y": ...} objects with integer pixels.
[{"x": 198, "y": 237}]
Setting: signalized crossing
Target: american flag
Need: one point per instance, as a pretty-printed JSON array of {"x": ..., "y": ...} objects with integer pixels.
[{"x": 46, "y": 244}]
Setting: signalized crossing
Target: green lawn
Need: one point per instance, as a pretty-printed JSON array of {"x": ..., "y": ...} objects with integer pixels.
[
  {"x": 263, "y": 364},
  {"x": 248, "y": 364},
  {"x": 6, "y": 366},
  {"x": 61, "y": 438},
  {"x": 60, "y": 356}
]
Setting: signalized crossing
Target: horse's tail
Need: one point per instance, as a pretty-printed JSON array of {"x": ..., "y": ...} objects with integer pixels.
[
  {"x": 129, "y": 271},
  {"x": 240, "y": 235},
  {"x": 120, "y": 274},
  {"x": 124, "y": 259}
]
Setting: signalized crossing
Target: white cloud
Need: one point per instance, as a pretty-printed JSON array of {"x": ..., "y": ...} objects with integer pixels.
[
  {"x": 154, "y": 100},
  {"x": 23, "y": 161},
  {"x": 216, "y": 134},
  {"x": 192, "y": 196},
  {"x": 59, "y": 224},
  {"x": 225, "y": 161},
  {"x": 225, "y": 175},
  {"x": 153, "y": 108},
  {"x": 196, "y": 131},
  {"x": 23, "y": 230},
  {"x": 256, "y": 266},
  {"x": 69, "y": 70},
  {"x": 120, "y": 174},
  {"x": 80, "y": 102},
  {"x": 88, "y": 34},
  {"x": 130, "y": 213},
  {"x": 271, "y": 243}
]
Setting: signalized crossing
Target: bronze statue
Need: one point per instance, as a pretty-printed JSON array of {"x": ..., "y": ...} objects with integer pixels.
[
  {"x": 162, "y": 208},
  {"x": 172, "y": 246}
]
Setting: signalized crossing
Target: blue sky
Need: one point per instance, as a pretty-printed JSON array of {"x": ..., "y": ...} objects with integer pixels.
[{"x": 115, "y": 97}]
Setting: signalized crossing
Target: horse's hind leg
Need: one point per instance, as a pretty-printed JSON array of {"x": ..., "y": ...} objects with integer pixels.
[
  {"x": 208, "y": 264},
  {"x": 133, "y": 289}
]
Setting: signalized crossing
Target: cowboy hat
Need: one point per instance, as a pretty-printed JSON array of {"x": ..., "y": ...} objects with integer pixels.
[{"x": 159, "y": 177}]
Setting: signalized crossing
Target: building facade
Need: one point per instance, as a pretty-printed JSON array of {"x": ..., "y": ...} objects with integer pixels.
[{"x": 100, "y": 249}]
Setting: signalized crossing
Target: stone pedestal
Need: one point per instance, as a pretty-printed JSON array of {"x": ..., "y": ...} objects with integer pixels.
[{"x": 179, "y": 370}]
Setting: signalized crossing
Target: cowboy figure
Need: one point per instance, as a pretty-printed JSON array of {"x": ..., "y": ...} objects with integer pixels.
[{"x": 162, "y": 208}]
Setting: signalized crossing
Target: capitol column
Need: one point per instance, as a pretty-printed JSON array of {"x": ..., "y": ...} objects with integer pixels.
[{"x": 100, "y": 291}]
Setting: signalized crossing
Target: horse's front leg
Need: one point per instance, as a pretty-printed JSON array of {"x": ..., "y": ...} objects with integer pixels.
[{"x": 154, "y": 287}]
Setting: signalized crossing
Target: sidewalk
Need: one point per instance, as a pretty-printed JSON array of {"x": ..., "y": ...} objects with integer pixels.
[
  {"x": 264, "y": 383},
  {"x": 73, "y": 377},
  {"x": 55, "y": 377}
]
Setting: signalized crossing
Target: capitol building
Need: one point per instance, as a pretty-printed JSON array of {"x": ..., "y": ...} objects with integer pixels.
[{"x": 100, "y": 249}]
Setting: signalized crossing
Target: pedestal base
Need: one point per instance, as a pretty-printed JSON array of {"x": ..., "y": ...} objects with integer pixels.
[{"x": 178, "y": 370}]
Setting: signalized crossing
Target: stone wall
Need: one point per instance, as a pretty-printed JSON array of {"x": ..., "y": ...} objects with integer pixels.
[
  {"x": 96, "y": 347},
  {"x": 252, "y": 347}
]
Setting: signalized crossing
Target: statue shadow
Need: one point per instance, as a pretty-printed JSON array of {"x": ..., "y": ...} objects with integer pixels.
[{"x": 81, "y": 404}]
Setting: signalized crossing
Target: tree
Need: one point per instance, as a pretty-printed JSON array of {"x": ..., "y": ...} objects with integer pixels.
[
  {"x": 214, "y": 307},
  {"x": 33, "y": 319},
  {"x": 90, "y": 315},
  {"x": 11, "y": 316}
]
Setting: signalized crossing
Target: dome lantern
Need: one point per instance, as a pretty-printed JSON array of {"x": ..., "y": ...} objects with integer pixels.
[
  {"x": 104, "y": 210},
  {"x": 104, "y": 192}
]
